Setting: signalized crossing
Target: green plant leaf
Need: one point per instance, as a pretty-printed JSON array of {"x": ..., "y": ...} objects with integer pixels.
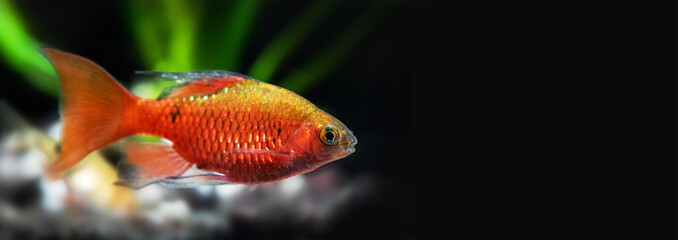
[
  {"x": 288, "y": 40},
  {"x": 20, "y": 51},
  {"x": 224, "y": 45},
  {"x": 318, "y": 67}
]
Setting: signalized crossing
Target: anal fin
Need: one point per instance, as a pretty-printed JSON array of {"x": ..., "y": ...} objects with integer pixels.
[
  {"x": 147, "y": 163},
  {"x": 193, "y": 178}
]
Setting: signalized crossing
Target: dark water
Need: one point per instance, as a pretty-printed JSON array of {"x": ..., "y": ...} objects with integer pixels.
[{"x": 475, "y": 119}]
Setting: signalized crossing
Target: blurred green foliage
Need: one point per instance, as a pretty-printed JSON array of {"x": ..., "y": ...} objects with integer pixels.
[
  {"x": 19, "y": 50},
  {"x": 288, "y": 40},
  {"x": 168, "y": 36},
  {"x": 165, "y": 33},
  {"x": 318, "y": 67},
  {"x": 223, "y": 46}
]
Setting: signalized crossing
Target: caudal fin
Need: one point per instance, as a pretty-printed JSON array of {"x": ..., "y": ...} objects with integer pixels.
[{"x": 93, "y": 107}]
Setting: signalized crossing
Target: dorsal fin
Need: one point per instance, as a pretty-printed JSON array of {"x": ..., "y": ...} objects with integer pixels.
[{"x": 197, "y": 82}]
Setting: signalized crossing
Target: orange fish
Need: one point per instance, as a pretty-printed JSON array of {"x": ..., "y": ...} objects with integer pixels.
[{"x": 224, "y": 127}]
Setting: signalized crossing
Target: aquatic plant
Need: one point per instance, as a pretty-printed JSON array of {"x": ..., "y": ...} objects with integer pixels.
[{"x": 170, "y": 36}]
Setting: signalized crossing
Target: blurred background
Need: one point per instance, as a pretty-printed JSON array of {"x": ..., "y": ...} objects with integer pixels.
[{"x": 488, "y": 119}]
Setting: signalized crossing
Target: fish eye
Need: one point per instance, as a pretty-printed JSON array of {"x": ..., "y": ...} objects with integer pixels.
[{"x": 329, "y": 135}]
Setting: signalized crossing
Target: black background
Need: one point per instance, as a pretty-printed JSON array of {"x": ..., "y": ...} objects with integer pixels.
[
  {"x": 479, "y": 119},
  {"x": 556, "y": 119}
]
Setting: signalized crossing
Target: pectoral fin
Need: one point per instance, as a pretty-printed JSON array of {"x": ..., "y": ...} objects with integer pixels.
[{"x": 257, "y": 152}]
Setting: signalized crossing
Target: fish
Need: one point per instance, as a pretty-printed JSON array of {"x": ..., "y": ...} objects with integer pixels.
[{"x": 220, "y": 127}]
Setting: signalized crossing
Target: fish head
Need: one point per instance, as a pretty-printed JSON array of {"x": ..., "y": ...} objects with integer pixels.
[{"x": 322, "y": 139}]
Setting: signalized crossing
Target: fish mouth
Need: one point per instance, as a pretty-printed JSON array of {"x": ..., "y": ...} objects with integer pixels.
[{"x": 352, "y": 141}]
